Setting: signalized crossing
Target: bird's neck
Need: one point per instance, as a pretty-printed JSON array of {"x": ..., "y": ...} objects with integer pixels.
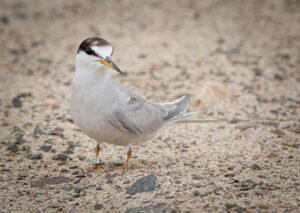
[{"x": 89, "y": 77}]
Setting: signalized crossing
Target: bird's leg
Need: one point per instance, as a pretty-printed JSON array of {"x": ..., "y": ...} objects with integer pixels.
[
  {"x": 129, "y": 152},
  {"x": 96, "y": 161}
]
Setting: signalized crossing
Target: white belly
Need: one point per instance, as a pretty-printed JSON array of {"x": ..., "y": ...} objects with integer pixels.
[{"x": 89, "y": 112}]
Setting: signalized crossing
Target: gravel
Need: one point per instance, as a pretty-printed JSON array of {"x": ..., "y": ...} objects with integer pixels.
[{"x": 237, "y": 58}]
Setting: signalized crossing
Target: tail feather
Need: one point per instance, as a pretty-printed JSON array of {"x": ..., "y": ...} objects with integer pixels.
[
  {"x": 182, "y": 116},
  {"x": 174, "y": 108}
]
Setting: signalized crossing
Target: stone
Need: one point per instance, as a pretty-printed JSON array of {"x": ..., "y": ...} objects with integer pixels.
[
  {"x": 51, "y": 181},
  {"x": 160, "y": 207},
  {"x": 98, "y": 206},
  {"x": 46, "y": 148},
  {"x": 144, "y": 184},
  {"x": 196, "y": 193},
  {"x": 16, "y": 102},
  {"x": 256, "y": 167},
  {"x": 35, "y": 156}
]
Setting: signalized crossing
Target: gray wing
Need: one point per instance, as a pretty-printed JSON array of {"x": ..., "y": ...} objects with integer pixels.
[{"x": 138, "y": 116}]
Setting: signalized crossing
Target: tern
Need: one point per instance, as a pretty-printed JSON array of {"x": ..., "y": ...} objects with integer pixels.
[{"x": 108, "y": 112}]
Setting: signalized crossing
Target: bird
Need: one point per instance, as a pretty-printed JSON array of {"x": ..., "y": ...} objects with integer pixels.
[{"x": 107, "y": 111}]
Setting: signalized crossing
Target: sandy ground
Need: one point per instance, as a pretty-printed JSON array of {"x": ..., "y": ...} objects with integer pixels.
[{"x": 240, "y": 58}]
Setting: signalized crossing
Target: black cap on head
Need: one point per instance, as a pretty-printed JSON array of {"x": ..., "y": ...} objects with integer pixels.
[{"x": 94, "y": 41}]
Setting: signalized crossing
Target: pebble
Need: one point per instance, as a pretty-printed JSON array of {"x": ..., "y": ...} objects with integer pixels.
[
  {"x": 160, "y": 207},
  {"x": 278, "y": 77},
  {"x": 64, "y": 171},
  {"x": 51, "y": 181},
  {"x": 69, "y": 150},
  {"x": 62, "y": 157},
  {"x": 245, "y": 126},
  {"x": 18, "y": 132},
  {"x": 257, "y": 71},
  {"x": 21, "y": 15},
  {"x": 20, "y": 140},
  {"x": 144, "y": 184},
  {"x": 46, "y": 148},
  {"x": 263, "y": 206},
  {"x": 16, "y": 102},
  {"x": 4, "y": 19},
  {"x": 297, "y": 130},
  {"x": 256, "y": 167},
  {"x": 13, "y": 148},
  {"x": 76, "y": 196},
  {"x": 39, "y": 131},
  {"x": 57, "y": 131},
  {"x": 196, "y": 177},
  {"x": 98, "y": 206},
  {"x": 35, "y": 156},
  {"x": 196, "y": 193}
]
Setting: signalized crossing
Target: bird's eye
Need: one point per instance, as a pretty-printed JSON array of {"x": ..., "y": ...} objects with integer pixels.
[{"x": 89, "y": 51}]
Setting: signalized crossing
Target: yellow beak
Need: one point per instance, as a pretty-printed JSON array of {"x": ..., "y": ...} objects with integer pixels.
[{"x": 109, "y": 63}]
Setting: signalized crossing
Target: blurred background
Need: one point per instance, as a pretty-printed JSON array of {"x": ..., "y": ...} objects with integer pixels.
[{"x": 240, "y": 58}]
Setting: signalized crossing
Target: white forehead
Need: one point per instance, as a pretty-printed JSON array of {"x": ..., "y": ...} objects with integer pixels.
[{"x": 103, "y": 50}]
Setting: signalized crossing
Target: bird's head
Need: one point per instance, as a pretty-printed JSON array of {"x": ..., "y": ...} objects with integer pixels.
[{"x": 95, "y": 52}]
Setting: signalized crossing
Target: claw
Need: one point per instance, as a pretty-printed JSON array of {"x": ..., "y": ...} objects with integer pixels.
[{"x": 96, "y": 166}]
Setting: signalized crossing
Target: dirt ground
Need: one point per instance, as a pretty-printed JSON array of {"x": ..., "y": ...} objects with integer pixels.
[{"x": 239, "y": 58}]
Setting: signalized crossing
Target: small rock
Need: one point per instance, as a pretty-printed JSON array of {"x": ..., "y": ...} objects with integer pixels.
[
  {"x": 64, "y": 171},
  {"x": 18, "y": 132},
  {"x": 69, "y": 150},
  {"x": 20, "y": 140},
  {"x": 274, "y": 111},
  {"x": 21, "y": 15},
  {"x": 39, "y": 131},
  {"x": 98, "y": 206},
  {"x": 16, "y": 102},
  {"x": 144, "y": 184},
  {"x": 45, "y": 60},
  {"x": 196, "y": 177},
  {"x": 196, "y": 193},
  {"x": 23, "y": 174},
  {"x": 58, "y": 131},
  {"x": 99, "y": 188},
  {"x": 263, "y": 206},
  {"x": 194, "y": 143},
  {"x": 78, "y": 189},
  {"x": 46, "y": 148},
  {"x": 61, "y": 157},
  {"x": 77, "y": 181},
  {"x": 229, "y": 175},
  {"x": 76, "y": 196},
  {"x": 160, "y": 207},
  {"x": 35, "y": 157},
  {"x": 278, "y": 77},
  {"x": 13, "y": 148},
  {"x": 256, "y": 167},
  {"x": 4, "y": 19},
  {"x": 75, "y": 173},
  {"x": 297, "y": 130},
  {"x": 70, "y": 120},
  {"x": 257, "y": 71},
  {"x": 240, "y": 209},
  {"x": 51, "y": 181},
  {"x": 245, "y": 126}
]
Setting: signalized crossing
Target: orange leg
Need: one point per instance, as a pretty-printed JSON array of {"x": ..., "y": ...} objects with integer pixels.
[
  {"x": 96, "y": 161},
  {"x": 129, "y": 152}
]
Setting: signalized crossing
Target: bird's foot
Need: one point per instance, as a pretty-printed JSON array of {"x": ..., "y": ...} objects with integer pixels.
[{"x": 121, "y": 168}]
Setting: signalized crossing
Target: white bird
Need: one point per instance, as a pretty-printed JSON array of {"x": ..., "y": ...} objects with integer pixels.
[{"x": 109, "y": 112}]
